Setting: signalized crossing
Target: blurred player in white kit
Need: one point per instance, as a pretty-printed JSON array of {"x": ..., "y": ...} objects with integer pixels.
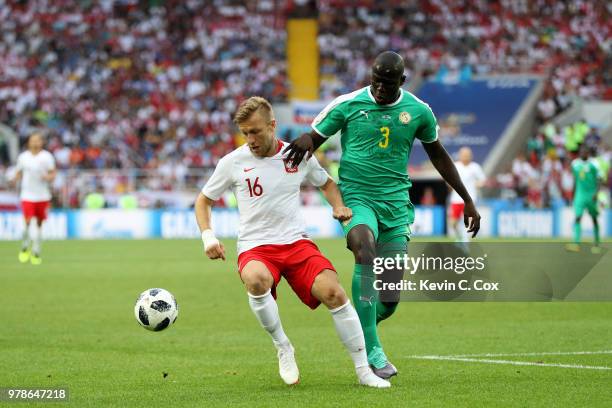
[
  {"x": 473, "y": 178},
  {"x": 272, "y": 239},
  {"x": 36, "y": 170}
]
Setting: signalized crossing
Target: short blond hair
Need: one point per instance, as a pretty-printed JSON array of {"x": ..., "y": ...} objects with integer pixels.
[{"x": 252, "y": 105}]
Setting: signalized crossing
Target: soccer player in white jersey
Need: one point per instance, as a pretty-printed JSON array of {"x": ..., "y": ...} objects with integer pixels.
[
  {"x": 473, "y": 178},
  {"x": 272, "y": 239},
  {"x": 36, "y": 170}
]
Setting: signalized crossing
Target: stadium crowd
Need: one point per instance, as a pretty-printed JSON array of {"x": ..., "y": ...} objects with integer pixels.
[
  {"x": 454, "y": 39},
  {"x": 152, "y": 84},
  {"x": 542, "y": 175},
  {"x": 120, "y": 85}
]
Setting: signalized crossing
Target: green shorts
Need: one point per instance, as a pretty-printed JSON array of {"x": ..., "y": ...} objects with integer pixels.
[
  {"x": 363, "y": 214},
  {"x": 581, "y": 204}
]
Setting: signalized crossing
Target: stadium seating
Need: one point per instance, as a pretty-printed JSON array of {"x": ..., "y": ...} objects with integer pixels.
[
  {"x": 118, "y": 85},
  {"x": 152, "y": 85}
]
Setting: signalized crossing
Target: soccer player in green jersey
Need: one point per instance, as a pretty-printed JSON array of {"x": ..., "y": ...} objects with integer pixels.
[
  {"x": 586, "y": 184},
  {"x": 379, "y": 124}
]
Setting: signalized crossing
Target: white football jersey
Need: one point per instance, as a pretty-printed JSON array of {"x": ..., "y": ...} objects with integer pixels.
[
  {"x": 33, "y": 168},
  {"x": 470, "y": 175},
  {"x": 268, "y": 195}
]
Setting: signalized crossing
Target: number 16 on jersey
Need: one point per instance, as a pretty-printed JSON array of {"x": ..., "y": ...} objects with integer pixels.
[{"x": 255, "y": 189}]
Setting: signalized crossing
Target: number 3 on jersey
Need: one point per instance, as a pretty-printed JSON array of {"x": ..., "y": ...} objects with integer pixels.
[
  {"x": 385, "y": 132},
  {"x": 255, "y": 189}
]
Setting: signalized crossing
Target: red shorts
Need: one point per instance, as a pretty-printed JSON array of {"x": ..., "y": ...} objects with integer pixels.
[
  {"x": 456, "y": 210},
  {"x": 35, "y": 209},
  {"x": 299, "y": 262}
]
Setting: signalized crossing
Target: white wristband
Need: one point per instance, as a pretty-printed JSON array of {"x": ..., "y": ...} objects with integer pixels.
[{"x": 209, "y": 239}]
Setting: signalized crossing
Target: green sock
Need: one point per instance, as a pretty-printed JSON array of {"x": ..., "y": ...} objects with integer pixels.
[
  {"x": 391, "y": 249},
  {"x": 577, "y": 233},
  {"x": 596, "y": 233},
  {"x": 384, "y": 310},
  {"x": 364, "y": 299}
]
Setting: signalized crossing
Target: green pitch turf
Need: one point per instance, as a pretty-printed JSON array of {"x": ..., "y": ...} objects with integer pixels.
[{"x": 70, "y": 322}]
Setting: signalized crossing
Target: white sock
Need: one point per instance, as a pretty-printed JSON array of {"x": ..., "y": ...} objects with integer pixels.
[
  {"x": 464, "y": 237},
  {"x": 37, "y": 240},
  {"x": 26, "y": 238},
  {"x": 350, "y": 333},
  {"x": 266, "y": 310},
  {"x": 457, "y": 230}
]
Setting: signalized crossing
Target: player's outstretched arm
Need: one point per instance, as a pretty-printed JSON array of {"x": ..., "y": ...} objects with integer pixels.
[
  {"x": 306, "y": 144},
  {"x": 334, "y": 198},
  {"x": 203, "y": 209},
  {"x": 444, "y": 164},
  {"x": 598, "y": 185}
]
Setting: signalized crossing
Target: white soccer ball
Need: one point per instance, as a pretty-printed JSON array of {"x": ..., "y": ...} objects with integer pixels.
[{"x": 156, "y": 309}]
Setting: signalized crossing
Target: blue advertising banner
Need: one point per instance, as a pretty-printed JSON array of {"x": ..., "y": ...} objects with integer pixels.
[
  {"x": 168, "y": 224},
  {"x": 473, "y": 113}
]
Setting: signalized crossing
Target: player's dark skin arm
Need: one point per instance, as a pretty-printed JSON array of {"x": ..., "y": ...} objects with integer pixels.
[
  {"x": 305, "y": 145},
  {"x": 595, "y": 221},
  {"x": 594, "y": 218},
  {"x": 444, "y": 164}
]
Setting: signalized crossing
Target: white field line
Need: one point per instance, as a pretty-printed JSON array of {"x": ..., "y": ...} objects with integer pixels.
[
  {"x": 545, "y": 353},
  {"x": 510, "y": 362}
]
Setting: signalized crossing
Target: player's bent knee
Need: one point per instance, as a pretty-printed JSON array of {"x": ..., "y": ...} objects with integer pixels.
[
  {"x": 327, "y": 289},
  {"x": 365, "y": 254},
  {"x": 333, "y": 297},
  {"x": 364, "y": 251},
  {"x": 257, "y": 278},
  {"x": 361, "y": 241},
  {"x": 258, "y": 285}
]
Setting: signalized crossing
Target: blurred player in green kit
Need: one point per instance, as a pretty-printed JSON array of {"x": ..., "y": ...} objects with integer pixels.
[
  {"x": 587, "y": 178},
  {"x": 378, "y": 125}
]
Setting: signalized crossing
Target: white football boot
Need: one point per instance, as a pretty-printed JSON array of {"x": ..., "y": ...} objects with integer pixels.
[
  {"x": 369, "y": 379},
  {"x": 287, "y": 367}
]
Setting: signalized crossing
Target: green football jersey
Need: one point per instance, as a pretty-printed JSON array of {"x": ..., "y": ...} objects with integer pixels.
[
  {"x": 586, "y": 176},
  {"x": 376, "y": 142}
]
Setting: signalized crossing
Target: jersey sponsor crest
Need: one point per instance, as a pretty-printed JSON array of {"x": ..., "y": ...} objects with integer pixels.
[
  {"x": 289, "y": 168},
  {"x": 404, "y": 118}
]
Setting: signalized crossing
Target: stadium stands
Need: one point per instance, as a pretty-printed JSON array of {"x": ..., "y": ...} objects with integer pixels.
[
  {"x": 152, "y": 85},
  {"x": 445, "y": 39},
  {"x": 118, "y": 85},
  {"x": 542, "y": 175}
]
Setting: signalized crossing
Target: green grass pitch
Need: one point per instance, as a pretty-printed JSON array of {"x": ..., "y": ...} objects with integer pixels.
[{"x": 70, "y": 322}]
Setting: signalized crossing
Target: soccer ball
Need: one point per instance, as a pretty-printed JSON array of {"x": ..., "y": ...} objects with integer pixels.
[{"x": 156, "y": 309}]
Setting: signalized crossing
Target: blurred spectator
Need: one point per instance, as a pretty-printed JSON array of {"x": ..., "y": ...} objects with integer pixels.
[
  {"x": 550, "y": 154},
  {"x": 94, "y": 201},
  {"x": 125, "y": 84},
  {"x": 592, "y": 139},
  {"x": 522, "y": 173},
  {"x": 567, "y": 181},
  {"x": 428, "y": 197},
  {"x": 455, "y": 39}
]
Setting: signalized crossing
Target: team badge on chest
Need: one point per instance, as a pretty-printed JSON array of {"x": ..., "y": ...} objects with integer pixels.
[
  {"x": 288, "y": 167},
  {"x": 404, "y": 118}
]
